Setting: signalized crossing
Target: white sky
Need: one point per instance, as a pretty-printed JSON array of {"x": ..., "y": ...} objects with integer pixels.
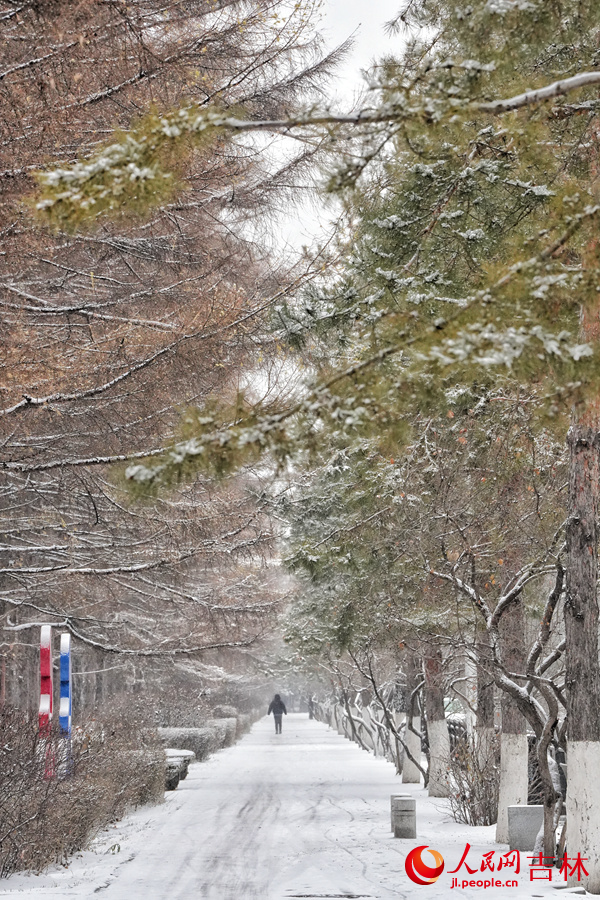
[{"x": 365, "y": 21}]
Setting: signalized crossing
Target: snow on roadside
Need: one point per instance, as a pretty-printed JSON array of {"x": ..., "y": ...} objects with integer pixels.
[{"x": 302, "y": 814}]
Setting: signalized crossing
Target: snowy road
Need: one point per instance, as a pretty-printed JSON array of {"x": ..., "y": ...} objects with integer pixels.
[{"x": 302, "y": 814}]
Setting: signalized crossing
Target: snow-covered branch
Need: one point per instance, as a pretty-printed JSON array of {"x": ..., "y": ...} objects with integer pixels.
[
  {"x": 128, "y": 171},
  {"x": 84, "y": 461},
  {"x": 540, "y": 95}
]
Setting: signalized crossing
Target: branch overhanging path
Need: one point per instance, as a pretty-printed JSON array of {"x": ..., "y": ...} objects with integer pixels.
[
  {"x": 268, "y": 427},
  {"x": 130, "y": 169},
  {"x": 130, "y": 162}
]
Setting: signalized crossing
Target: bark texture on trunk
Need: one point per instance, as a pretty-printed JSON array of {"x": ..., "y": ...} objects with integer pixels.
[
  {"x": 410, "y": 772},
  {"x": 582, "y": 667},
  {"x": 437, "y": 728},
  {"x": 581, "y": 603},
  {"x": 513, "y": 740},
  {"x": 484, "y": 722},
  {"x": 512, "y": 634}
]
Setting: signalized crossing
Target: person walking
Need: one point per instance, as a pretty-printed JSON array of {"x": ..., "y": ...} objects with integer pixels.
[{"x": 277, "y": 707}]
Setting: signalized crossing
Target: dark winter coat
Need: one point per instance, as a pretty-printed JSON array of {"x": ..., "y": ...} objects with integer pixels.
[{"x": 277, "y": 707}]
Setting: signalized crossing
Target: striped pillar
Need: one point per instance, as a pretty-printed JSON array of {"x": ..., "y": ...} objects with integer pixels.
[
  {"x": 64, "y": 712},
  {"x": 45, "y": 712},
  {"x": 45, "y": 709}
]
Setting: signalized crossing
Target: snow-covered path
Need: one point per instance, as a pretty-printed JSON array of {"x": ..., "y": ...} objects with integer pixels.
[{"x": 302, "y": 814}]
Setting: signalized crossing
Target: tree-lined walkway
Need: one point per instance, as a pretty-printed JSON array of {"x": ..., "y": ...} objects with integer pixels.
[{"x": 302, "y": 814}]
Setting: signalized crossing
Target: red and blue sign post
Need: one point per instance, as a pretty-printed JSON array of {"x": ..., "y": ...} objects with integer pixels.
[{"x": 45, "y": 708}]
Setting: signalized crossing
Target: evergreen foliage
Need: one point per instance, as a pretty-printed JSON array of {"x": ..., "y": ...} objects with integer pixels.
[
  {"x": 469, "y": 252},
  {"x": 479, "y": 495}
]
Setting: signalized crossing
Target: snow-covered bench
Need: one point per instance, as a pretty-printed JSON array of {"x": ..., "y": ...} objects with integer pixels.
[{"x": 178, "y": 762}]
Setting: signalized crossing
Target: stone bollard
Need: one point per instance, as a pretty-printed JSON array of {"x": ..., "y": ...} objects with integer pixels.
[
  {"x": 524, "y": 823},
  {"x": 404, "y": 817},
  {"x": 393, "y": 799}
]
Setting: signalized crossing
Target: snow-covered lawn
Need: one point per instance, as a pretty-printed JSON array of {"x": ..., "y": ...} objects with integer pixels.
[{"x": 302, "y": 814}]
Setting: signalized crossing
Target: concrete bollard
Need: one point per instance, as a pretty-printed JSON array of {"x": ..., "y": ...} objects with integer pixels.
[
  {"x": 393, "y": 799},
  {"x": 524, "y": 823},
  {"x": 404, "y": 811}
]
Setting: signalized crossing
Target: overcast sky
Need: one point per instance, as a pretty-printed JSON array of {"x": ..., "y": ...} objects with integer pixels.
[{"x": 365, "y": 21}]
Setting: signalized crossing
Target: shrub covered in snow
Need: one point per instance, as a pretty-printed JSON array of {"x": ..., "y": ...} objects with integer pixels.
[
  {"x": 244, "y": 724},
  {"x": 116, "y": 766},
  {"x": 219, "y": 730},
  {"x": 224, "y": 712},
  {"x": 214, "y": 734},
  {"x": 226, "y": 730},
  {"x": 202, "y": 741}
]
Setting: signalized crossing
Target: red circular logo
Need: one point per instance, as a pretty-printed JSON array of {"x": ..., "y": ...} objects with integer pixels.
[{"x": 420, "y": 872}]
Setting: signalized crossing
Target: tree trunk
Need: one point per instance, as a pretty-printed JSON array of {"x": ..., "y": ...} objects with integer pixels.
[
  {"x": 513, "y": 740},
  {"x": 410, "y": 773},
  {"x": 484, "y": 723},
  {"x": 582, "y": 669},
  {"x": 3, "y": 654},
  {"x": 437, "y": 728}
]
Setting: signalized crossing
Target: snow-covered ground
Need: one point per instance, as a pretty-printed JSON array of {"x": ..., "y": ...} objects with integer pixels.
[{"x": 302, "y": 814}]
